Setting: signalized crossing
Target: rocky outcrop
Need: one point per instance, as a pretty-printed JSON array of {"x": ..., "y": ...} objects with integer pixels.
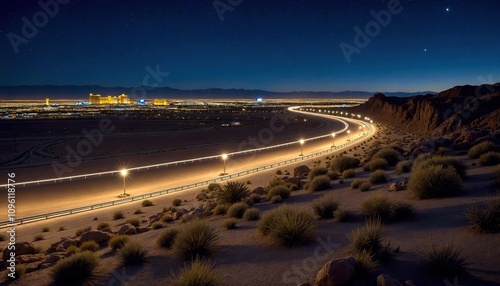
[
  {"x": 95, "y": 235},
  {"x": 336, "y": 272},
  {"x": 301, "y": 171},
  {"x": 20, "y": 249}
]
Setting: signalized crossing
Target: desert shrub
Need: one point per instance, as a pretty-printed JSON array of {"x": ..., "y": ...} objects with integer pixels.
[
  {"x": 61, "y": 228},
  {"x": 445, "y": 260},
  {"x": 38, "y": 237},
  {"x": 102, "y": 225},
  {"x": 378, "y": 177},
  {"x": 276, "y": 199},
  {"x": 279, "y": 190},
  {"x": 176, "y": 202},
  {"x": 445, "y": 161},
  {"x": 72, "y": 249},
  {"x": 82, "y": 230},
  {"x": 77, "y": 268},
  {"x": 342, "y": 215},
  {"x": 157, "y": 225},
  {"x": 356, "y": 183},
  {"x": 201, "y": 197},
  {"x": 118, "y": 215},
  {"x": 434, "y": 182},
  {"x": 20, "y": 271},
  {"x": 254, "y": 198},
  {"x": 340, "y": 164},
  {"x": 275, "y": 182},
  {"x": 481, "y": 148},
  {"x": 364, "y": 264},
  {"x": 291, "y": 186},
  {"x": 378, "y": 206},
  {"x": 138, "y": 211},
  {"x": 45, "y": 229},
  {"x": 251, "y": 214},
  {"x": 368, "y": 237},
  {"x": 333, "y": 175},
  {"x": 365, "y": 186},
  {"x": 279, "y": 173},
  {"x": 325, "y": 207},
  {"x": 319, "y": 183},
  {"x": 403, "y": 167},
  {"x": 147, "y": 203},
  {"x": 318, "y": 171},
  {"x": 348, "y": 173},
  {"x": 232, "y": 192},
  {"x": 132, "y": 252},
  {"x": 237, "y": 210},
  {"x": 229, "y": 223},
  {"x": 390, "y": 155},
  {"x": 118, "y": 241},
  {"x": 220, "y": 209},
  {"x": 486, "y": 219},
  {"x": 167, "y": 218},
  {"x": 403, "y": 211},
  {"x": 196, "y": 239},
  {"x": 135, "y": 222},
  {"x": 89, "y": 246},
  {"x": 200, "y": 273},
  {"x": 167, "y": 237},
  {"x": 489, "y": 158},
  {"x": 376, "y": 164},
  {"x": 213, "y": 187},
  {"x": 288, "y": 226}
]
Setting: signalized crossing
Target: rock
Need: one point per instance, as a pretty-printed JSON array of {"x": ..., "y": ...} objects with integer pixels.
[
  {"x": 209, "y": 206},
  {"x": 30, "y": 267},
  {"x": 386, "y": 280},
  {"x": 409, "y": 283},
  {"x": 395, "y": 187},
  {"x": 301, "y": 171},
  {"x": 154, "y": 218},
  {"x": 127, "y": 229},
  {"x": 107, "y": 229},
  {"x": 197, "y": 213},
  {"x": 45, "y": 265},
  {"x": 21, "y": 248},
  {"x": 95, "y": 235},
  {"x": 60, "y": 248},
  {"x": 336, "y": 272},
  {"x": 62, "y": 245},
  {"x": 53, "y": 258},
  {"x": 259, "y": 191},
  {"x": 179, "y": 213},
  {"x": 142, "y": 229},
  {"x": 30, "y": 258}
]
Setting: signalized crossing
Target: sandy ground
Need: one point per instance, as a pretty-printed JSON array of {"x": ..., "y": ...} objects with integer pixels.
[{"x": 247, "y": 258}]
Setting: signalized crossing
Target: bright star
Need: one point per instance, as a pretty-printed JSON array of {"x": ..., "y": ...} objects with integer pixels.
[
  {"x": 425, "y": 50},
  {"x": 447, "y": 9}
]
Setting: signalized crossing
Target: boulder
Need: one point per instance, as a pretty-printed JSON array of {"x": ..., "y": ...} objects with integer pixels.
[
  {"x": 107, "y": 229},
  {"x": 154, "y": 218},
  {"x": 62, "y": 245},
  {"x": 20, "y": 249},
  {"x": 336, "y": 272},
  {"x": 95, "y": 235},
  {"x": 30, "y": 258},
  {"x": 179, "y": 213},
  {"x": 45, "y": 265},
  {"x": 386, "y": 280},
  {"x": 259, "y": 191},
  {"x": 395, "y": 187},
  {"x": 301, "y": 171},
  {"x": 142, "y": 229},
  {"x": 60, "y": 248},
  {"x": 127, "y": 229},
  {"x": 197, "y": 213},
  {"x": 53, "y": 258}
]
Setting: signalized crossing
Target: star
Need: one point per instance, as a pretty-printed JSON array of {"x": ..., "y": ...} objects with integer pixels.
[
  {"x": 425, "y": 50},
  {"x": 447, "y": 9}
]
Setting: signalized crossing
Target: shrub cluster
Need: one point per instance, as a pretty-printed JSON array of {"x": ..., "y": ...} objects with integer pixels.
[
  {"x": 325, "y": 207},
  {"x": 278, "y": 190},
  {"x": 486, "y": 219},
  {"x": 434, "y": 181},
  {"x": 389, "y": 154},
  {"x": 378, "y": 177},
  {"x": 196, "y": 239},
  {"x": 319, "y": 183},
  {"x": 481, "y": 148},
  {"x": 381, "y": 207},
  {"x": 376, "y": 164},
  {"x": 403, "y": 167},
  {"x": 318, "y": 171},
  {"x": 489, "y": 158},
  {"x": 77, "y": 268},
  {"x": 237, "y": 210},
  {"x": 232, "y": 192},
  {"x": 201, "y": 272},
  {"x": 340, "y": 164},
  {"x": 445, "y": 260}
]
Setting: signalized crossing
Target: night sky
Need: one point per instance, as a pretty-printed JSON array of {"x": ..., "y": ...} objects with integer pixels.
[{"x": 272, "y": 45}]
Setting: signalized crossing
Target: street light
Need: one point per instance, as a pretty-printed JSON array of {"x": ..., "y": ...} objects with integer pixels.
[
  {"x": 333, "y": 139},
  {"x": 360, "y": 130},
  {"x": 301, "y": 141},
  {"x": 348, "y": 131},
  {"x": 224, "y": 158},
  {"x": 124, "y": 173}
]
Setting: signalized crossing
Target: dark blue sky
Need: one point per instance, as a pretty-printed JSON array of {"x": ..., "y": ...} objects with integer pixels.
[{"x": 262, "y": 44}]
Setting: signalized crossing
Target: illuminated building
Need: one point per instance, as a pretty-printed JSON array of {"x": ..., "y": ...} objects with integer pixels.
[
  {"x": 95, "y": 99},
  {"x": 123, "y": 99},
  {"x": 47, "y": 101},
  {"x": 160, "y": 102}
]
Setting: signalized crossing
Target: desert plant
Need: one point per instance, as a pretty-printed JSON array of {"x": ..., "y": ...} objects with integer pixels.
[
  {"x": 196, "y": 239},
  {"x": 118, "y": 215},
  {"x": 486, "y": 219},
  {"x": 132, "y": 252},
  {"x": 237, "y": 210},
  {"x": 365, "y": 186},
  {"x": 20, "y": 271},
  {"x": 72, "y": 249},
  {"x": 167, "y": 237},
  {"x": 403, "y": 211},
  {"x": 349, "y": 173},
  {"x": 377, "y": 206},
  {"x": 147, "y": 203},
  {"x": 276, "y": 199},
  {"x": 390, "y": 155},
  {"x": 157, "y": 225},
  {"x": 133, "y": 221},
  {"x": 356, "y": 183},
  {"x": 82, "y": 230},
  {"x": 118, "y": 241},
  {"x": 434, "y": 182},
  {"x": 278, "y": 172},
  {"x": 333, "y": 175},
  {"x": 176, "y": 202},
  {"x": 220, "y": 209},
  {"x": 61, "y": 228},
  {"x": 378, "y": 177},
  {"x": 138, "y": 211},
  {"x": 232, "y": 192},
  {"x": 403, "y": 167},
  {"x": 489, "y": 158},
  {"x": 45, "y": 229},
  {"x": 38, "y": 237},
  {"x": 368, "y": 237},
  {"x": 254, "y": 198},
  {"x": 275, "y": 182},
  {"x": 90, "y": 245},
  {"x": 213, "y": 187},
  {"x": 325, "y": 207},
  {"x": 342, "y": 215},
  {"x": 318, "y": 171},
  {"x": 77, "y": 268},
  {"x": 481, "y": 148},
  {"x": 319, "y": 183},
  {"x": 376, "y": 164},
  {"x": 364, "y": 264},
  {"x": 340, "y": 164},
  {"x": 102, "y": 225},
  {"x": 288, "y": 226},
  {"x": 229, "y": 223},
  {"x": 201, "y": 272},
  {"x": 278, "y": 190},
  {"x": 445, "y": 161},
  {"x": 445, "y": 260},
  {"x": 251, "y": 214}
]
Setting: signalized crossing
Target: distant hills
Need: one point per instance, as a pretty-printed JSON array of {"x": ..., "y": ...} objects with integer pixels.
[{"x": 82, "y": 92}]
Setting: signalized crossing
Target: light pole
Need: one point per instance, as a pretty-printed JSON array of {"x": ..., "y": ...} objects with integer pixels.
[
  {"x": 333, "y": 139},
  {"x": 124, "y": 173},
  {"x": 348, "y": 131},
  {"x": 360, "y": 130},
  {"x": 301, "y": 141},
  {"x": 224, "y": 158}
]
